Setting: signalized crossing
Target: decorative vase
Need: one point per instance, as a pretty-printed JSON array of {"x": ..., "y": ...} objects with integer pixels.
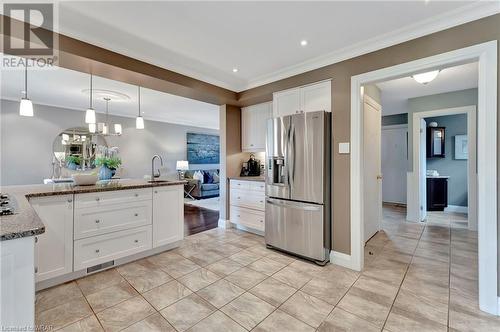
[
  {"x": 72, "y": 166},
  {"x": 106, "y": 173}
]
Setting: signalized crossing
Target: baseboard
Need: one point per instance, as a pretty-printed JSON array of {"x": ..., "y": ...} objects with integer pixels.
[
  {"x": 222, "y": 223},
  {"x": 456, "y": 208},
  {"x": 341, "y": 259}
]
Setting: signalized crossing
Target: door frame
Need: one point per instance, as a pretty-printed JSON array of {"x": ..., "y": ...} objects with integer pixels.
[
  {"x": 486, "y": 55},
  {"x": 414, "y": 184}
]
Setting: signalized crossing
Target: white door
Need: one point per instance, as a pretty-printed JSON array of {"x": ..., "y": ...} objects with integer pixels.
[
  {"x": 168, "y": 215},
  {"x": 316, "y": 97},
  {"x": 394, "y": 163},
  {"x": 423, "y": 170},
  {"x": 54, "y": 248},
  {"x": 372, "y": 183},
  {"x": 286, "y": 102}
]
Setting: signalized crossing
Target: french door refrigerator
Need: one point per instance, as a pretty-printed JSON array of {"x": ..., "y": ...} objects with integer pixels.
[{"x": 298, "y": 185}]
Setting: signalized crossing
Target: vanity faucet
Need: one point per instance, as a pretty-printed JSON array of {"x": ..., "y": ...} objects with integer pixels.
[{"x": 157, "y": 175}]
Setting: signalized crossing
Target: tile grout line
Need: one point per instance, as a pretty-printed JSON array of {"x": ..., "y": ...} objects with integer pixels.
[{"x": 404, "y": 277}]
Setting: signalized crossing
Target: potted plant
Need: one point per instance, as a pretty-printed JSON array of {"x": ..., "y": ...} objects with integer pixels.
[
  {"x": 109, "y": 165},
  {"x": 72, "y": 162}
]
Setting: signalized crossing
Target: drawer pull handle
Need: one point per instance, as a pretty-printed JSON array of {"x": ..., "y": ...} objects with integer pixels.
[
  {"x": 261, "y": 201},
  {"x": 239, "y": 197},
  {"x": 36, "y": 269},
  {"x": 136, "y": 195},
  {"x": 97, "y": 251},
  {"x": 238, "y": 216},
  {"x": 136, "y": 241},
  {"x": 156, "y": 191},
  {"x": 261, "y": 220},
  {"x": 136, "y": 214},
  {"x": 97, "y": 221},
  {"x": 36, "y": 239},
  {"x": 97, "y": 199},
  {"x": 70, "y": 200}
]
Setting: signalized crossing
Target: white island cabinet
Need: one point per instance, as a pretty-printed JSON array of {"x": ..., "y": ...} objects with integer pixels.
[
  {"x": 168, "y": 215},
  {"x": 91, "y": 231},
  {"x": 54, "y": 248}
]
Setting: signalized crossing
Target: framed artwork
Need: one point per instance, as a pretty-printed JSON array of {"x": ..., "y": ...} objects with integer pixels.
[
  {"x": 461, "y": 147},
  {"x": 202, "y": 148}
]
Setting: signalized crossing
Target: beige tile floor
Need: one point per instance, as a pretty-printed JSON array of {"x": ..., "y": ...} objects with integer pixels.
[{"x": 416, "y": 277}]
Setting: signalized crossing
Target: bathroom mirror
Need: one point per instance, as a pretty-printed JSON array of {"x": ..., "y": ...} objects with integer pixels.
[{"x": 75, "y": 148}]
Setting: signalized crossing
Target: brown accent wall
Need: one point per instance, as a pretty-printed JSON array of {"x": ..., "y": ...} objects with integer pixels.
[
  {"x": 475, "y": 32},
  {"x": 231, "y": 154},
  {"x": 87, "y": 58}
]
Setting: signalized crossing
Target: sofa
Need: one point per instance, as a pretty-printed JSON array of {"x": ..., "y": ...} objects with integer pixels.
[{"x": 202, "y": 189}]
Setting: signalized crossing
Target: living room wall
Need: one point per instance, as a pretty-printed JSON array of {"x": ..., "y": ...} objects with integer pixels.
[{"x": 26, "y": 142}]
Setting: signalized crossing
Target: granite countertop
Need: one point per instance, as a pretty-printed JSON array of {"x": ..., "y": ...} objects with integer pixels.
[
  {"x": 25, "y": 222},
  {"x": 249, "y": 178}
]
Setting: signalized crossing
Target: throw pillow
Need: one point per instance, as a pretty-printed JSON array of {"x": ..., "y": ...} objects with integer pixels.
[
  {"x": 216, "y": 178},
  {"x": 198, "y": 176},
  {"x": 206, "y": 177}
]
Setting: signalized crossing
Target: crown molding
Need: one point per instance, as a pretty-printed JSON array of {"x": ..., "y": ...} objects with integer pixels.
[{"x": 462, "y": 15}]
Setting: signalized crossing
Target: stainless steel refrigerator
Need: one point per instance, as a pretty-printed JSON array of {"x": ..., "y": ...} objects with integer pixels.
[{"x": 298, "y": 185}]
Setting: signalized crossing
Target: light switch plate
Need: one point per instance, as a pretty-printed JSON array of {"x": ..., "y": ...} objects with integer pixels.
[{"x": 344, "y": 148}]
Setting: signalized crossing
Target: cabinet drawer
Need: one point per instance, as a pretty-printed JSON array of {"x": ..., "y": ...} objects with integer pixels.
[
  {"x": 111, "y": 218},
  {"x": 257, "y": 186},
  {"x": 248, "y": 218},
  {"x": 104, "y": 248},
  {"x": 238, "y": 184},
  {"x": 248, "y": 199},
  {"x": 112, "y": 197}
]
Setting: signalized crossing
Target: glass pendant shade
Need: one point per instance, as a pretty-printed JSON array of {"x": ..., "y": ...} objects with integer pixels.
[
  {"x": 139, "y": 122},
  {"x": 90, "y": 116},
  {"x": 26, "y": 107},
  {"x": 118, "y": 128},
  {"x": 105, "y": 129},
  {"x": 92, "y": 127}
]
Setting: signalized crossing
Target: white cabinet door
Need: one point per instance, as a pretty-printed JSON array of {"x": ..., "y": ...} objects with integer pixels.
[
  {"x": 316, "y": 97},
  {"x": 168, "y": 215},
  {"x": 286, "y": 102},
  {"x": 54, "y": 248},
  {"x": 253, "y": 127}
]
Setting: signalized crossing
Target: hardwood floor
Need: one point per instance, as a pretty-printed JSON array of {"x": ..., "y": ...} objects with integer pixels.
[{"x": 198, "y": 219}]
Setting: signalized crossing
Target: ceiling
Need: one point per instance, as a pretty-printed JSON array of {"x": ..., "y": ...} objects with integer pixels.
[
  {"x": 395, "y": 93},
  {"x": 206, "y": 40},
  {"x": 66, "y": 88}
]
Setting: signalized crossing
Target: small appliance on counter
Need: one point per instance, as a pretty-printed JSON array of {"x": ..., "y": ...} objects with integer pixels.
[
  {"x": 8, "y": 205},
  {"x": 251, "y": 167}
]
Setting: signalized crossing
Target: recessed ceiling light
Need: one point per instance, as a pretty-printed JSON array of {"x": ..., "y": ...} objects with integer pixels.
[
  {"x": 235, "y": 70},
  {"x": 303, "y": 42}
]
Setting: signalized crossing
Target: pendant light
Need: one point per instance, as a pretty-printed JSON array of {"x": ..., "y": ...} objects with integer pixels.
[
  {"x": 26, "y": 106},
  {"x": 90, "y": 113},
  {"x": 139, "y": 121}
]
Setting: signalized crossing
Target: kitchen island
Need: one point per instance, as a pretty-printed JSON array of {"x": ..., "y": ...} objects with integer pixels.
[{"x": 61, "y": 232}]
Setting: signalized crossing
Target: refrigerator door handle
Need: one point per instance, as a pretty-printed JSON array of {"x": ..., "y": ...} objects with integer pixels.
[{"x": 288, "y": 204}]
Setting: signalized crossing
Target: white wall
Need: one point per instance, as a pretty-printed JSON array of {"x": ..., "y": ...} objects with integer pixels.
[{"x": 26, "y": 143}]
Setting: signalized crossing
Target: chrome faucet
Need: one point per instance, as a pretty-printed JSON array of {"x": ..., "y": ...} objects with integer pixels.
[{"x": 157, "y": 175}]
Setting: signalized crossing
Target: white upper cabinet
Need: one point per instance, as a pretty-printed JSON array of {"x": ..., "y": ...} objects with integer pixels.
[
  {"x": 54, "y": 248},
  {"x": 309, "y": 98},
  {"x": 253, "y": 127}
]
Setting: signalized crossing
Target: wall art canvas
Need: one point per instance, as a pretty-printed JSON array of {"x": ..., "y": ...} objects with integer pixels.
[
  {"x": 461, "y": 147},
  {"x": 203, "y": 148}
]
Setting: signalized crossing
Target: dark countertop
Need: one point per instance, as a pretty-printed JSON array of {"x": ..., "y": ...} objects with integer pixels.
[
  {"x": 248, "y": 178},
  {"x": 25, "y": 222}
]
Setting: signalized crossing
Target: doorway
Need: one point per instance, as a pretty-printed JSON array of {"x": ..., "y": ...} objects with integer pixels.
[{"x": 486, "y": 55}]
